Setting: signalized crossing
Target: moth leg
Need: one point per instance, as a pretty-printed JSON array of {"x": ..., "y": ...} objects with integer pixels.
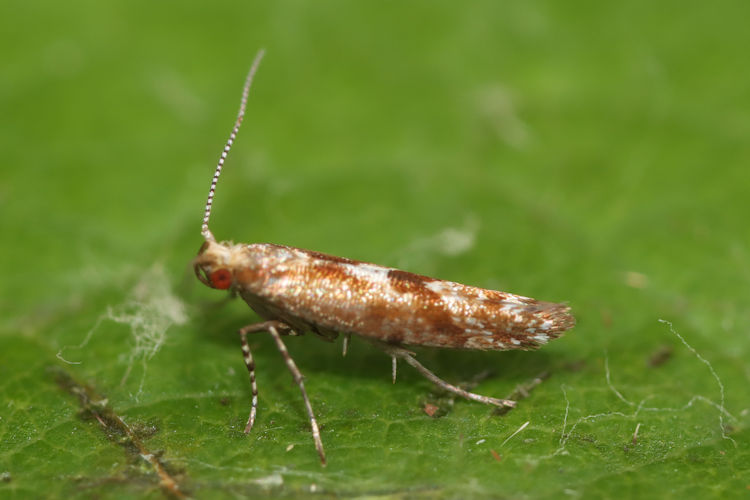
[
  {"x": 347, "y": 336},
  {"x": 292, "y": 366},
  {"x": 281, "y": 327},
  {"x": 250, "y": 363},
  {"x": 393, "y": 368},
  {"x": 398, "y": 352}
]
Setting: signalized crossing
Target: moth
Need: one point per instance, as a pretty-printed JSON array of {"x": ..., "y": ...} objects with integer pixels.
[{"x": 300, "y": 291}]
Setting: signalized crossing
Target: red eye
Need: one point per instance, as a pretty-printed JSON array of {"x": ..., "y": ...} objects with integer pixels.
[{"x": 221, "y": 279}]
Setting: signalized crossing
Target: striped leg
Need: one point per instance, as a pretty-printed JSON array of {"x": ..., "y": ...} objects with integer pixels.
[
  {"x": 247, "y": 355},
  {"x": 398, "y": 352},
  {"x": 250, "y": 363},
  {"x": 298, "y": 380}
]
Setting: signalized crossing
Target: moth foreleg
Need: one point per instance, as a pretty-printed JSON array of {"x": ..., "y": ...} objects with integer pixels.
[
  {"x": 398, "y": 352},
  {"x": 250, "y": 362},
  {"x": 277, "y": 329}
]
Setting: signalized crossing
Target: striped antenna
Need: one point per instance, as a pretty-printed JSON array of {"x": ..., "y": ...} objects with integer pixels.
[{"x": 207, "y": 234}]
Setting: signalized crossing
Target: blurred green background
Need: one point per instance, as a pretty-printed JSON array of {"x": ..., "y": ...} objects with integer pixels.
[{"x": 588, "y": 152}]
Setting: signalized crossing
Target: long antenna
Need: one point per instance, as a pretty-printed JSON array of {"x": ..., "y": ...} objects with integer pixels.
[{"x": 207, "y": 234}]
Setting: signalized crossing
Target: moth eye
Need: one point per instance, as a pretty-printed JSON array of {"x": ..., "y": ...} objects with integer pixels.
[{"x": 221, "y": 279}]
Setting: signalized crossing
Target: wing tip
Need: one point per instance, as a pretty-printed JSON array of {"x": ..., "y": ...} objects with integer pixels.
[{"x": 556, "y": 319}]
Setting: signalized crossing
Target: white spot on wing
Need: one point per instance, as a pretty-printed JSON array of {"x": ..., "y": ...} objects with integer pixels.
[
  {"x": 368, "y": 272},
  {"x": 437, "y": 286},
  {"x": 542, "y": 338},
  {"x": 509, "y": 307}
]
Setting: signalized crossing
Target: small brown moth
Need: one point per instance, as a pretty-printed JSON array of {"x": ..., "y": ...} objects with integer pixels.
[{"x": 298, "y": 291}]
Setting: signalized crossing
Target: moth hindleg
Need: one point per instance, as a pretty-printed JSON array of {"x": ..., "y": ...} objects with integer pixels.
[{"x": 399, "y": 352}]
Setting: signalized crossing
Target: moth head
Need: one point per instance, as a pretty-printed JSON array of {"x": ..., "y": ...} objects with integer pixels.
[{"x": 213, "y": 265}]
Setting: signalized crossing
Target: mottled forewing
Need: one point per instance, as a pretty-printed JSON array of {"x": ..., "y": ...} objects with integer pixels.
[{"x": 326, "y": 293}]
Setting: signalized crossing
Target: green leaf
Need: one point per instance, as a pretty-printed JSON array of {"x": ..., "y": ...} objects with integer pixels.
[{"x": 586, "y": 152}]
